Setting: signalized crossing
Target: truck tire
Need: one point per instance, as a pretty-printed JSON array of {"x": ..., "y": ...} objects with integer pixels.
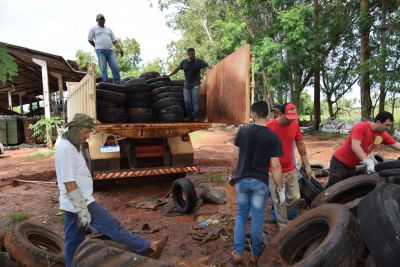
[
  {"x": 349, "y": 192},
  {"x": 106, "y": 253},
  {"x": 119, "y": 98},
  {"x": 113, "y": 117},
  {"x": 6, "y": 261},
  {"x": 160, "y": 90},
  {"x": 162, "y": 95},
  {"x": 141, "y": 117},
  {"x": 165, "y": 102},
  {"x": 157, "y": 79},
  {"x": 149, "y": 75},
  {"x": 392, "y": 164},
  {"x": 389, "y": 172},
  {"x": 159, "y": 84},
  {"x": 178, "y": 89},
  {"x": 379, "y": 218},
  {"x": 105, "y": 104},
  {"x": 111, "y": 110},
  {"x": 111, "y": 87},
  {"x": 171, "y": 117},
  {"x": 145, "y": 96},
  {"x": 32, "y": 245},
  {"x": 135, "y": 80},
  {"x": 137, "y": 88},
  {"x": 139, "y": 110},
  {"x": 309, "y": 188},
  {"x": 184, "y": 195},
  {"x": 178, "y": 82},
  {"x": 140, "y": 104},
  {"x": 341, "y": 244},
  {"x": 174, "y": 109}
]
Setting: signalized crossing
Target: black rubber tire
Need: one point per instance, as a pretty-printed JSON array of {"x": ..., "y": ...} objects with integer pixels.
[
  {"x": 389, "y": 172},
  {"x": 111, "y": 96},
  {"x": 349, "y": 192},
  {"x": 162, "y": 95},
  {"x": 149, "y": 75},
  {"x": 105, "y": 104},
  {"x": 140, "y": 104},
  {"x": 112, "y": 117},
  {"x": 184, "y": 195},
  {"x": 111, "y": 87},
  {"x": 178, "y": 82},
  {"x": 391, "y": 164},
  {"x": 141, "y": 117},
  {"x": 111, "y": 110},
  {"x": 145, "y": 96},
  {"x": 378, "y": 157},
  {"x": 34, "y": 245},
  {"x": 177, "y": 89},
  {"x": 157, "y": 79},
  {"x": 137, "y": 88},
  {"x": 135, "y": 80},
  {"x": 171, "y": 117},
  {"x": 160, "y": 84},
  {"x": 6, "y": 261},
  {"x": 139, "y": 110},
  {"x": 379, "y": 218},
  {"x": 161, "y": 90},
  {"x": 174, "y": 109},
  {"x": 165, "y": 102},
  {"x": 341, "y": 244},
  {"x": 309, "y": 188},
  {"x": 106, "y": 253}
]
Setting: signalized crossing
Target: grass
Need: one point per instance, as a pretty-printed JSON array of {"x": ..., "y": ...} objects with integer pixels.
[
  {"x": 197, "y": 136},
  {"x": 217, "y": 178},
  {"x": 17, "y": 216},
  {"x": 41, "y": 154}
]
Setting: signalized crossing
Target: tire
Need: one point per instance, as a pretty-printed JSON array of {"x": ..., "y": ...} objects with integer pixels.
[
  {"x": 165, "y": 102},
  {"x": 160, "y": 84},
  {"x": 141, "y": 117},
  {"x": 134, "y": 81},
  {"x": 111, "y": 110},
  {"x": 174, "y": 109},
  {"x": 349, "y": 192},
  {"x": 309, "y": 188},
  {"x": 341, "y": 244},
  {"x": 105, "y": 104},
  {"x": 139, "y": 110},
  {"x": 378, "y": 157},
  {"x": 106, "y": 253},
  {"x": 111, "y": 87},
  {"x": 178, "y": 89},
  {"x": 150, "y": 75},
  {"x": 184, "y": 195},
  {"x": 379, "y": 218},
  {"x": 119, "y": 98},
  {"x": 137, "y": 88},
  {"x": 161, "y": 90},
  {"x": 113, "y": 117},
  {"x": 162, "y": 95},
  {"x": 33, "y": 245},
  {"x": 178, "y": 82},
  {"x": 171, "y": 117},
  {"x": 153, "y": 80},
  {"x": 140, "y": 104},
  {"x": 145, "y": 96},
  {"x": 389, "y": 172},
  {"x": 392, "y": 164}
]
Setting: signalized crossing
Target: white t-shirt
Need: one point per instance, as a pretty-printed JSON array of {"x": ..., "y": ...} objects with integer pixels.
[
  {"x": 71, "y": 166},
  {"x": 103, "y": 37}
]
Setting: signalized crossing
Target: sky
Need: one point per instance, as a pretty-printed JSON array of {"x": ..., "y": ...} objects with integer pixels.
[{"x": 61, "y": 26}]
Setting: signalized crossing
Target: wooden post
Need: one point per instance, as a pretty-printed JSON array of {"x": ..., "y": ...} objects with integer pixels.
[
  {"x": 9, "y": 100},
  {"x": 60, "y": 90},
  {"x": 46, "y": 101},
  {"x": 252, "y": 84}
]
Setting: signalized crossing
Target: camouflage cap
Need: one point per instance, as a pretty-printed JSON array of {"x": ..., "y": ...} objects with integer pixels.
[
  {"x": 82, "y": 120},
  {"x": 99, "y": 16}
]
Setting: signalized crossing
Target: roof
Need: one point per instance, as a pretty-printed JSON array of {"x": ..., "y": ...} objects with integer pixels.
[{"x": 28, "y": 81}]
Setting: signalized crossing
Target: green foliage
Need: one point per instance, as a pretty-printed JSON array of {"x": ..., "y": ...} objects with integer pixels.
[
  {"x": 41, "y": 154},
  {"x": 8, "y": 67},
  {"x": 84, "y": 58},
  {"x": 45, "y": 128},
  {"x": 155, "y": 65},
  {"x": 17, "y": 216},
  {"x": 129, "y": 63}
]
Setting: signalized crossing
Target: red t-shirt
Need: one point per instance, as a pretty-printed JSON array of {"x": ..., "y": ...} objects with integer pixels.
[
  {"x": 287, "y": 134},
  {"x": 369, "y": 141}
]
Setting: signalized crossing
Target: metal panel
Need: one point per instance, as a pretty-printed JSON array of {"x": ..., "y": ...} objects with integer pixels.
[
  {"x": 226, "y": 88},
  {"x": 3, "y": 132}
]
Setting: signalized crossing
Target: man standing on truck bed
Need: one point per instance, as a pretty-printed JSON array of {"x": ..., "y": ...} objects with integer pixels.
[
  {"x": 102, "y": 38},
  {"x": 76, "y": 197},
  {"x": 191, "y": 67}
]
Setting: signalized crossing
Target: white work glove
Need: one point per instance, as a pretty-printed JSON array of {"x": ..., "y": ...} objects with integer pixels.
[
  {"x": 307, "y": 166},
  {"x": 280, "y": 192},
  {"x": 79, "y": 203},
  {"x": 369, "y": 163}
]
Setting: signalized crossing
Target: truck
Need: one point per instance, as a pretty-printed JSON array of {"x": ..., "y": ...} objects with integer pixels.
[{"x": 162, "y": 148}]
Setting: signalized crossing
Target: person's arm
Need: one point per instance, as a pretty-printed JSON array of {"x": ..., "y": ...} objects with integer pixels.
[
  {"x": 116, "y": 44},
  {"x": 356, "y": 147},
  {"x": 234, "y": 161},
  {"x": 174, "y": 71},
  {"x": 395, "y": 146},
  {"x": 276, "y": 171},
  {"x": 92, "y": 43},
  {"x": 301, "y": 148}
]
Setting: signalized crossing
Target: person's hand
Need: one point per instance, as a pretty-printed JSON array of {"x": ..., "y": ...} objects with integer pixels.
[
  {"x": 231, "y": 180},
  {"x": 79, "y": 204},
  {"x": 307, "y": 166},
  {"x": 369, "y": 163},
  {"x": 280, "y": 192}
]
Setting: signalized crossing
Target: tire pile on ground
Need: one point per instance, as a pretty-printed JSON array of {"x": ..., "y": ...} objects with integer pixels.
[
  {"x": 354, "y": 222},
  {"x": 148, "y": 98}
]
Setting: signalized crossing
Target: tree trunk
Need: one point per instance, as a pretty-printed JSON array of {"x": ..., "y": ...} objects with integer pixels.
[
  {"x": 317, "y": 71},
  {"x": 330, "y": 106},
  {"x": 365, "y": 85},
  {"x": 382, "y": 67}
]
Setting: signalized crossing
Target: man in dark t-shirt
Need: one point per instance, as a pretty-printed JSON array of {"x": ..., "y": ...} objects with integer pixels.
[
  {"x": 257, "y": 150},
  {"x": 191, "y": 67}
]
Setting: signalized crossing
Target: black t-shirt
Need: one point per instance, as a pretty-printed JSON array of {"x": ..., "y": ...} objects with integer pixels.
[
  {"x": 257, "y": 145},
  {"x": 192, "y": 70}
]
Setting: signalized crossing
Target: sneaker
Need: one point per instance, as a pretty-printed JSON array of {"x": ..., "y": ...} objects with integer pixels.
[{"x": 157, "y": 248}]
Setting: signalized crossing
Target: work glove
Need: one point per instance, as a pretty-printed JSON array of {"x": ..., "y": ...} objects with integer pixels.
[
  {"x": 79, "y": 203},
  {"x": 280, "y": 192},
  {"x": 369, "y": 163},
  {"x": 307, "y": 166},
  {"x": 231, "y": 180}
]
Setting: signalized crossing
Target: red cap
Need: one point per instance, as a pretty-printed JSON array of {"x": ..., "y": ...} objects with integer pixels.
[{"x": 290, "y": 111}]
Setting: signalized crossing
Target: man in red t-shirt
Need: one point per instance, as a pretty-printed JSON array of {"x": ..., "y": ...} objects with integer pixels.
[
  {"x": 362, "y": 140},
  {"x": 288, "y": 130}
]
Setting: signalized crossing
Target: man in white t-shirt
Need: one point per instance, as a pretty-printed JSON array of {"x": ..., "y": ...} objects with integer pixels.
[
  {"x": 76, "y": 197},
  {"x": 102, "y": 38}
]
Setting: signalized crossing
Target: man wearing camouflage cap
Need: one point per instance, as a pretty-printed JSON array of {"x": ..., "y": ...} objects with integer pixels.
[{"x": 76, "y": 197}]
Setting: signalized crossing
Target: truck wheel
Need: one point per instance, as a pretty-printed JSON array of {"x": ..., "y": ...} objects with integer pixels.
[
  {"x": 165, "y": 102},
  {"x": 135, "y": 80},
  {"x": 105, "y": 104},
  {"x": 140, "y": 104},
  {"x": 379, "y": 218},
  {"x": 349, "y": 191},
  {"x": 111, "y": 96},
  {"x": 137, "y": 88},
  {"x": 159, "y": 84},
  {"x": 178, "y": 83},
  {"x": 392, "y": 164},
  {"x": 339, "y": 234},
  {"x": 153, "y": 80},
  {"x": 160, "y": 90},
  {"x": 145, "y": 96},
  {"x": 111, "y": 87},
  {"x": 141, "y": 117},
  {"x": 33, "y": 245},
  {"x": 150, "y": 75},
  {"x": 171, "y": 117},
  {"x": 112, "y": 117},
  {"x": 184, "y": 195}
]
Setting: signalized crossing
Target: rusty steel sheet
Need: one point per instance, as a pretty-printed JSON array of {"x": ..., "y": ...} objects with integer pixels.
[
  {"x": 226, "y": 89},
  {"x": 144, "y": 172}
]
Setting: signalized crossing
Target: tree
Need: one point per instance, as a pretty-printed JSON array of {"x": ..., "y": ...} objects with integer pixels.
[
  {"x": 157, "y": 65},
  {"x": 129, "y": 63},
  {"x": 8, "y": 67},
  {"x": 83, "y": 59}
]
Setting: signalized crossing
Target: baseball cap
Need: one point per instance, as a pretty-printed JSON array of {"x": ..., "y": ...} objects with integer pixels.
[
  {"x": 82, "y": 120},
  {"x": 99, "y": 16},
  {"x": 289, "y": 110}
]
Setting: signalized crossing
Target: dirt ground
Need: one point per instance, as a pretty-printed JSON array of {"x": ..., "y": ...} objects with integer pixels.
[{"x": 213, "y": 149}]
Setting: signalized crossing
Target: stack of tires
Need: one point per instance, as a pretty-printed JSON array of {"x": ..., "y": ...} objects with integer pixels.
[
  {"x": 167, "y": 99},
  {"x": 139, "y": 102},
  {"x": 111, "y": 102}
]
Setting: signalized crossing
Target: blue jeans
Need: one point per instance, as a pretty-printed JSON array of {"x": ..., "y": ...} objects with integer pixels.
[
  {"x": 191, "y": 97},
  {"x": 104, "y": 56},
  {"x": 104, "y": 223},
  {"x": 252, "y": 195}
]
